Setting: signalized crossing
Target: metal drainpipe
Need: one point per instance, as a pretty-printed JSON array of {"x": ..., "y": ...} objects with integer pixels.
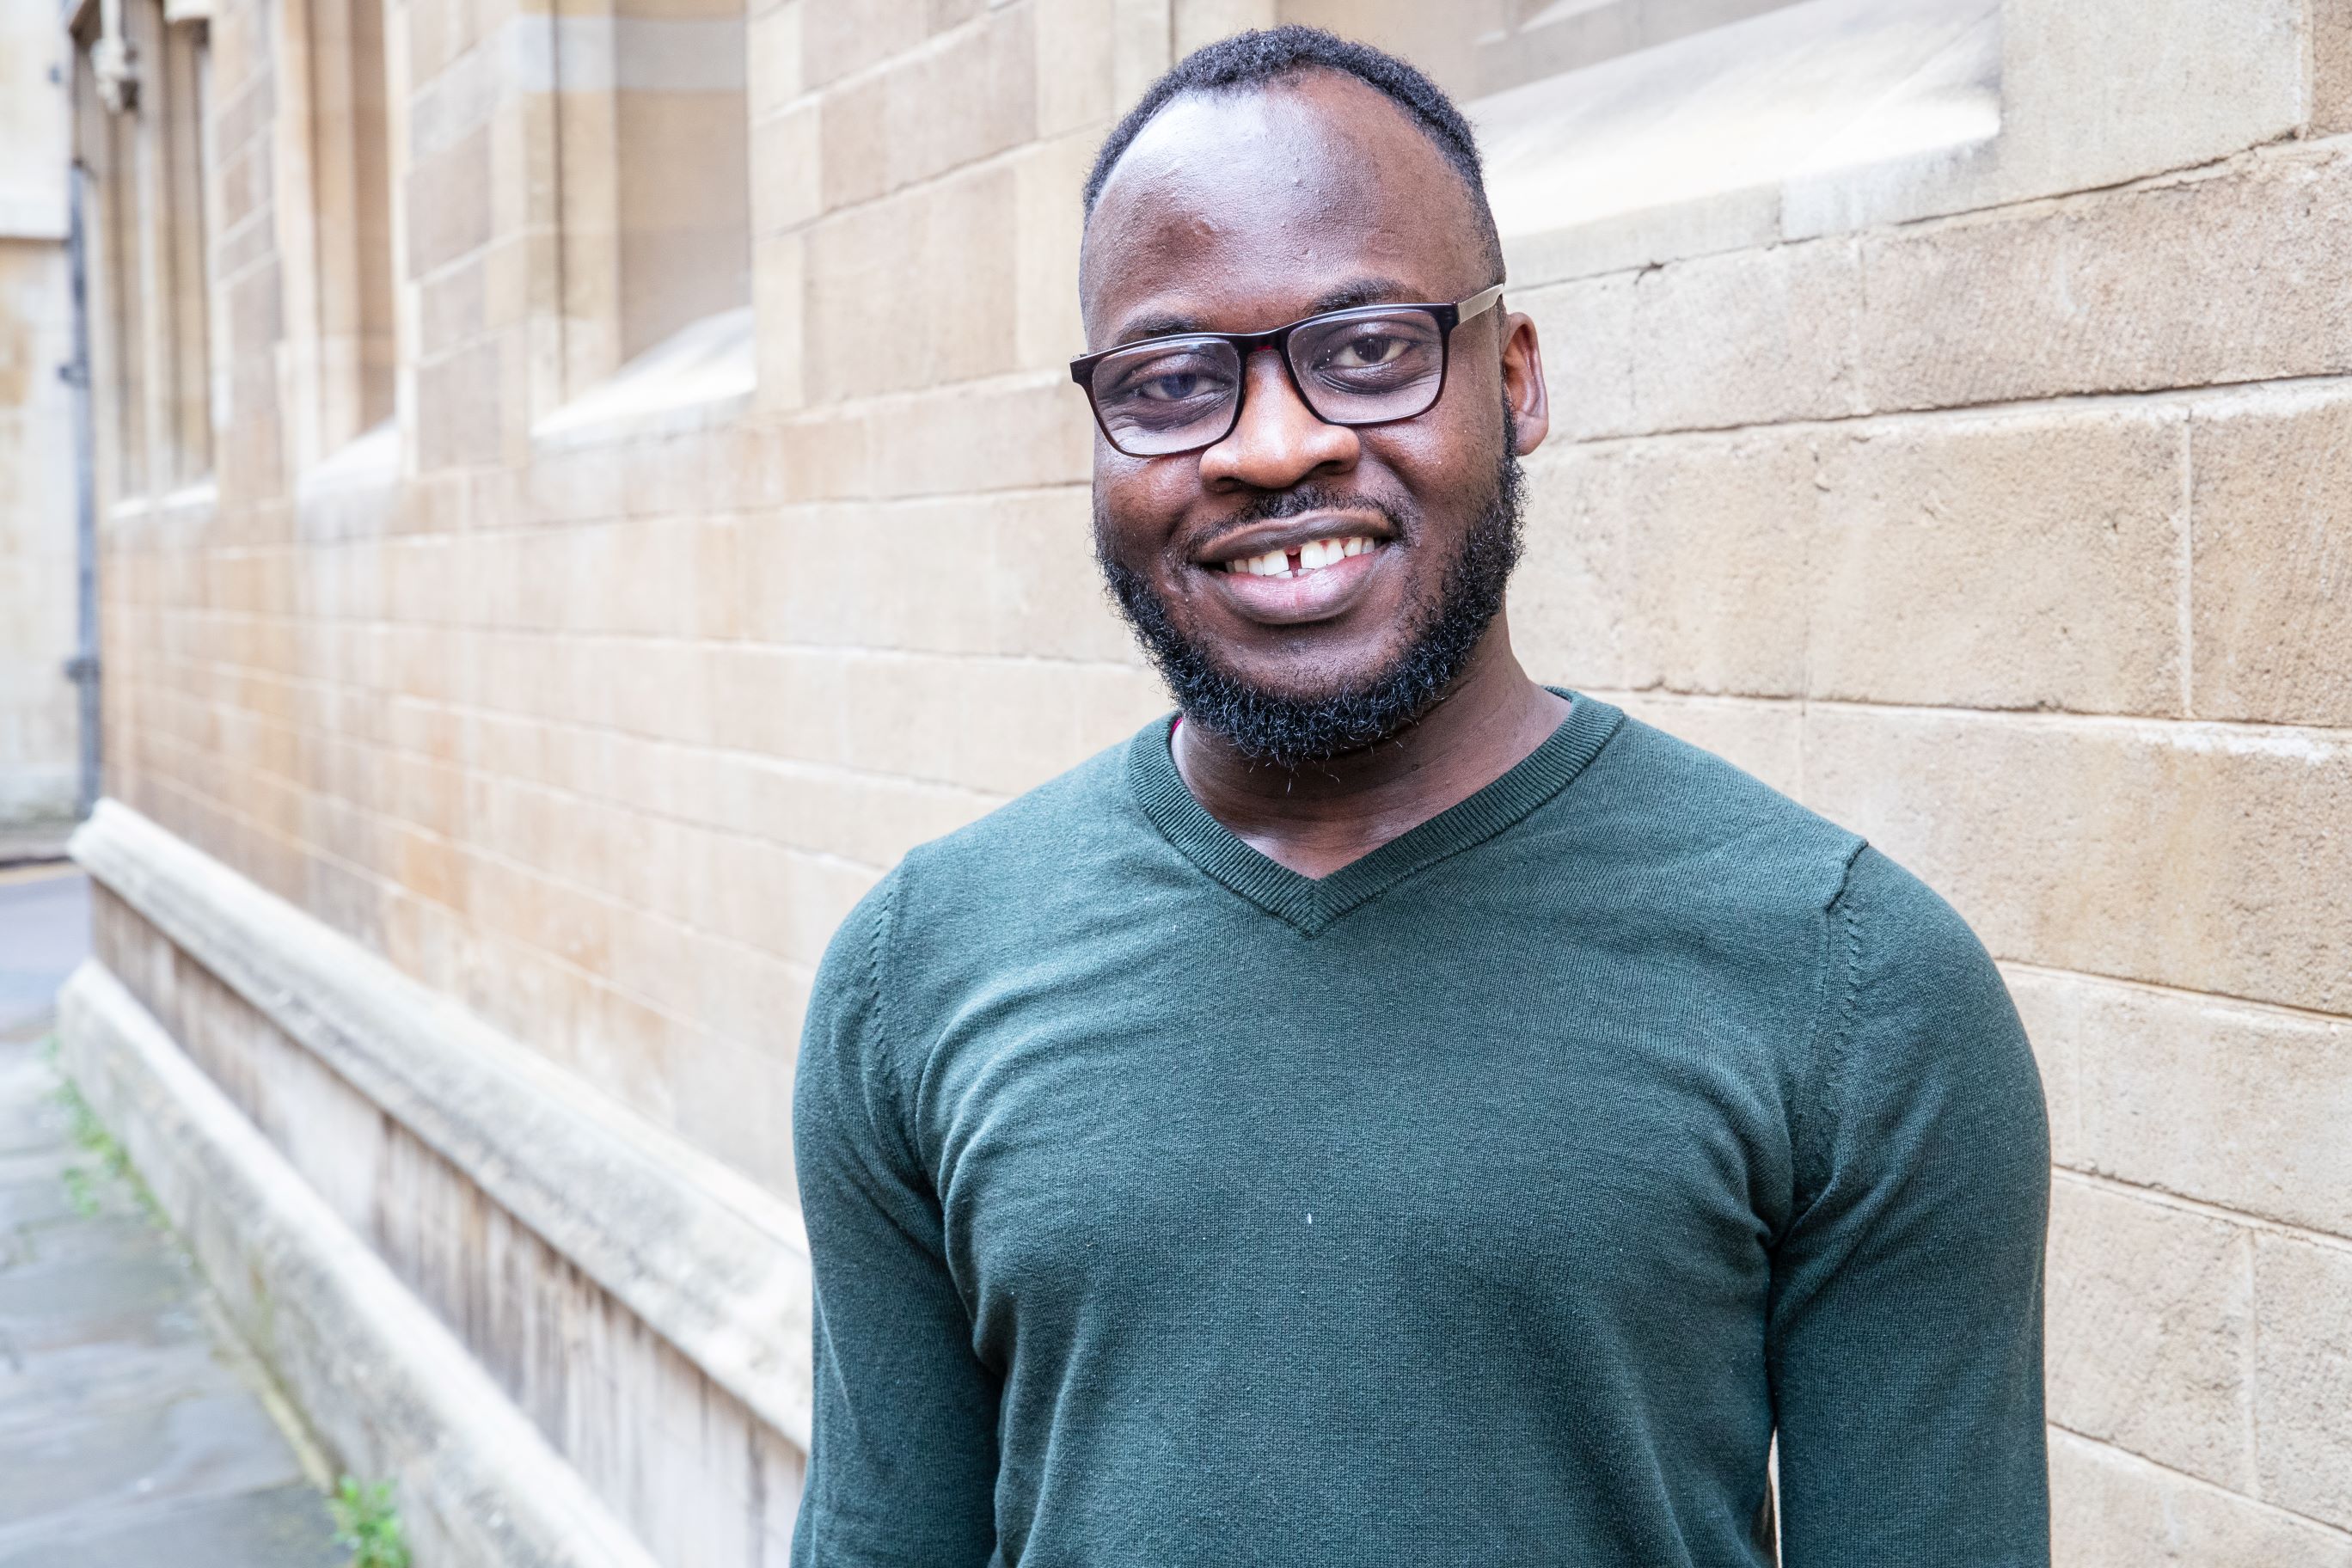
[{"x": 82, "y": 669}]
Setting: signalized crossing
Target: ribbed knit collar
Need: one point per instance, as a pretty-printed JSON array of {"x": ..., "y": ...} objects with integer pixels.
[{"x": 1311, "y": 903}]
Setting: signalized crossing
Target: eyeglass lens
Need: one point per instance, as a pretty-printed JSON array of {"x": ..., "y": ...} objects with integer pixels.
[{"x": 1357, "y": 369}]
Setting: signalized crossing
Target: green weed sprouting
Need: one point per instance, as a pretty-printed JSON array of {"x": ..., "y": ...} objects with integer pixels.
[
  {"x": 367, "y": 1524},
  {"x": 90, "y": 1136}
]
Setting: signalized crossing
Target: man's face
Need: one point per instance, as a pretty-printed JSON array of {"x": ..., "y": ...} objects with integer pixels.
[{"x": 1239, "y": 212}]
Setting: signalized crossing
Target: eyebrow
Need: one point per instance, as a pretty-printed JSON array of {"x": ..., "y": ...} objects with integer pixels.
[{"x": 1346, "y": 297}]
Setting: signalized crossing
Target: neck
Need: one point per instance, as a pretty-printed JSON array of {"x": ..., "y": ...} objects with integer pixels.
[{"x": 1328, "y": 813}]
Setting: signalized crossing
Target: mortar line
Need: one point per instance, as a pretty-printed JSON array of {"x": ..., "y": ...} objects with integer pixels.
[
  {"x": 2120, "y": 397},
  {"x": 2204, "y": 1209},
  {"x": 2319, "y": 1525},
  {"x": 2153, "y": 724},
  {"x": 2181, "y": 993}
]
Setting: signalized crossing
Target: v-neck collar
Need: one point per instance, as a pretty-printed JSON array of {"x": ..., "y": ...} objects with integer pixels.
[{"x": 1312, "y": 903}]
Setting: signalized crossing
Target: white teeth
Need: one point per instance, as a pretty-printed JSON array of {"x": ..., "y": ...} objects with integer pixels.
[{"x": 1313, "y": 556}]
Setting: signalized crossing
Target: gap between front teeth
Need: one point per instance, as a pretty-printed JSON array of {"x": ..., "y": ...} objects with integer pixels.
[{"x": 1312, "y": 556}]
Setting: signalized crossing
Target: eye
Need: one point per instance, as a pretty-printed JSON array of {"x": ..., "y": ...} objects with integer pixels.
[
  {"x": 1171, "y": 387},
  {"x": 1367, "y": 351},
  {"x": 1166, "y": 378}
]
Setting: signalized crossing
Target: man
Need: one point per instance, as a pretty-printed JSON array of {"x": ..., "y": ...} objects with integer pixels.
[{"x": 1395, "y": 1113}]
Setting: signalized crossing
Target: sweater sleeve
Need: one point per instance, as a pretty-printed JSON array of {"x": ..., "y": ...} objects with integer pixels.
[
  {"x": 902, "y": 1466},
  {"x": 1905, "y": 1337}
]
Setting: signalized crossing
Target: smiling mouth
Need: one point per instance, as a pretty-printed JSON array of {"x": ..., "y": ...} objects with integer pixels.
[{"x": 1312, "y": 556}]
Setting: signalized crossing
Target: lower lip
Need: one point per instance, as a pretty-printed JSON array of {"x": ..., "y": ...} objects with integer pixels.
[{"x": 1300, "y": 596}]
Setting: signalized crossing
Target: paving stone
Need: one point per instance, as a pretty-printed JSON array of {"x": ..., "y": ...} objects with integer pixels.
[
  {"x": 41, "y": 1389},
  {"x": 41, "y": 1201},
  {"x": 120, "y": 1293},
  {"x": 283, "y": 1527},
  {"x": 213, "y": 1445},
  {"x": 126, "y": 1438}
]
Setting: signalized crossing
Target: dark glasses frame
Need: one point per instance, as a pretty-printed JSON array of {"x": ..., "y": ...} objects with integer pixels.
[{"x": 1448, "y": 316}]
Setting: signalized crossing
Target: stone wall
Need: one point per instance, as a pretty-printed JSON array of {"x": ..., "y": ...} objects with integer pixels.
[
  {"x": 1988, "y": 496},
  {"x": 39, "y": 727}
]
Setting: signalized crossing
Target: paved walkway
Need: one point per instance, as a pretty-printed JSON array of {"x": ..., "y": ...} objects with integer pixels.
[{"x": 132, "y": 1435}]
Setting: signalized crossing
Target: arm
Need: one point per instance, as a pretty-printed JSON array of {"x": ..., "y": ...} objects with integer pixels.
[
  {"x": 902, "y": 1469},
  {"x": 1905, "y": 1337}
]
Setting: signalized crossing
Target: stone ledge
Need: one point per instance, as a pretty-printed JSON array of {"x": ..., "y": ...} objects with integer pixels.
[
  {"x": 709, "y": 1260},
  {"x": 386, "y": 1385}
]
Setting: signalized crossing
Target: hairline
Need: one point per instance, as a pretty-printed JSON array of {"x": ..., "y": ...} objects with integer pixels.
[{"x": 1289, "y": 79}]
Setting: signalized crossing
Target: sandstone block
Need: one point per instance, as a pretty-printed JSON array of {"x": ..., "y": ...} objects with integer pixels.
[
  {"x": 866, "y": 820},
  {"x": 778, "y": 301},
  {"x": 914, "y": 290},
  {"x": 1009, "y": 433},
  {"x": 2209, "y": 857},
  {"x": 1585, "y": 331},
  {"x": 824, "y": 455},
  {"x": 2109, "y": 1509},
  {"x": 1681, "y": 562},
  {"x": 1045, "y": 596},
  {"x": 1074, "y": 68},
  {"x": 1765, "y": 739},
  {"x": 839, "y": 36},
  {"x": 2234, "y": 274},
  {"x": 2239, "y": 1106},
  {"x": 790, "y": 169},
  {"x": 773, "y": 76},
  {"x": 971, "y": 96},
  {"x": 2331, "y": 47},
  {"x": 1141, "y": 34},
  {"x": 782, "y": 702},
  {"x": 2049, "y": 1006},
  {"x": 853, "y": 142},
  {"x": 2273, "y": 593},
  {"x": 449, "y": 202},
  {"x": 1568, "y": 605},
  {"x": 999, "y": 726},
  {"x": 1047, "y": 182},
  {"x": 462, "y": 406},
  {"x": 1756, "y": 337},
  {"x": 2303, "y": 1376},
  {"x": 1199, "y": 22},
  {"x": 2151, "y": 1328},
  {"x": 2006, "y": 562},
  {"x": 1010, "y": 575}
]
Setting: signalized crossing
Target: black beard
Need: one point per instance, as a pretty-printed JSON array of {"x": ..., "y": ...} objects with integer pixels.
[{"x": 1290, "y": 733}]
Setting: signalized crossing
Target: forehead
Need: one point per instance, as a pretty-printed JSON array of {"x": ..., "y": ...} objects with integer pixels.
[{"x": 1237, "y": 211}]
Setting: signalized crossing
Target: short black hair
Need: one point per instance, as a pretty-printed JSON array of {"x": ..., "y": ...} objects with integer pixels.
[{"x": 1267, "y": 54}]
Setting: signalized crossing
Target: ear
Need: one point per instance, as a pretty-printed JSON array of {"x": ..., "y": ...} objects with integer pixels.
[{"x": 1523, "y": 382}]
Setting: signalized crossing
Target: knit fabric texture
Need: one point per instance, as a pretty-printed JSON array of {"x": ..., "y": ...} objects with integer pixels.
[{"x": 1495, "y": 1199}]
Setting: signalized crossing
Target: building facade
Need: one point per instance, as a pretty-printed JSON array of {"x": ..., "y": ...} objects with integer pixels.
[
  {"x": 40, "y": 725},
  {"x": 583, "y": 489}
]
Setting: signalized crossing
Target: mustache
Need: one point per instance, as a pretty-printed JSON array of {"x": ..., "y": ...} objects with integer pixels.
[{"x": 1281, "y": 506}]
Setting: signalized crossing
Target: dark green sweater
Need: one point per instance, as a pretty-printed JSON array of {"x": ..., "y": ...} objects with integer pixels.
[{"x": 1492, "y": 1200}]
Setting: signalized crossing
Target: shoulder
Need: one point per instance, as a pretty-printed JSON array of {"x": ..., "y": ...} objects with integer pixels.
[
  {"x": 1916, "y": 985},
  {"x": 1026, "y": 852},
  {"x": 1693, "y": 830},
  {"x": 961, "y": 903}
]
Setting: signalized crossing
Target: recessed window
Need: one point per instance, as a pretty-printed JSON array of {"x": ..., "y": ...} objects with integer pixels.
[
  {"x": 184, "y": 376},
  {"x": 352, "y": 210},
  {"x": 1589, "y": 109},
  {"x": 150, "y": 261},
  {"x": 656, "y": 201}
]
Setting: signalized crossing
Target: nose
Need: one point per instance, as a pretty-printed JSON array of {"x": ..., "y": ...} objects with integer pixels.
[{"x": 1277, "y": 442}]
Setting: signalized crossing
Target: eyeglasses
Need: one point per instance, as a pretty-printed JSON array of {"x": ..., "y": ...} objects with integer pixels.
[{"x": 1371, "y": 365}]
